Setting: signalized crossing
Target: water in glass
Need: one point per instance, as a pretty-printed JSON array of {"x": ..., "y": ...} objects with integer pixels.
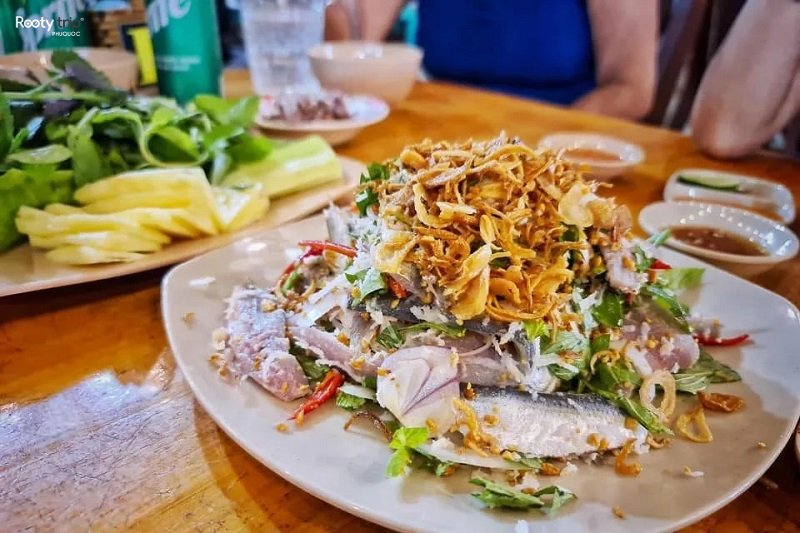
[{"x": 277, "y": 35}]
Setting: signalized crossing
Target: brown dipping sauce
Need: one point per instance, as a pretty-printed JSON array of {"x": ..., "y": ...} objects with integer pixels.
[
  {"x": 717, "y": 240},
  {"x": 590, "y": 155}
]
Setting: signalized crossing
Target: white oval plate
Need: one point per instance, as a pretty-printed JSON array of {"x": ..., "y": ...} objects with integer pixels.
[
  {"x": 762, "y": 194},
  {"x": 630, "y": 154},
  {"x": 346, "y": 469},
  {"x": 773, "y": 237},
  {"x": 366, "y": 110}
]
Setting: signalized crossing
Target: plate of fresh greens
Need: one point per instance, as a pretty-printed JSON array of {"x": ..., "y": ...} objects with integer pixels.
[{"x": 96, "y": 183}]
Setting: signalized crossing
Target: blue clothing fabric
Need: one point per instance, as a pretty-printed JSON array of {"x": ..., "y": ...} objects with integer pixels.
[{"x": 538, "y": 49}]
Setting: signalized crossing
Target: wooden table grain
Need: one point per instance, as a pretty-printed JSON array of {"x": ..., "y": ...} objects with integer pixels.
[{"x": 99, "y": 431}]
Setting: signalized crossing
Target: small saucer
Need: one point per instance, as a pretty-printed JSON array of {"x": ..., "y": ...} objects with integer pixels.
[{"x": 365, "y": 111}]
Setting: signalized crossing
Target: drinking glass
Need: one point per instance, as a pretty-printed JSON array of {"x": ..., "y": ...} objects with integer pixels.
[{"x": 277, "y": 35}]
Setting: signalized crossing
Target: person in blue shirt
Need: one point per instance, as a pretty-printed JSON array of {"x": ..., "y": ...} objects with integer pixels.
[{"x": 595, "y": 55}]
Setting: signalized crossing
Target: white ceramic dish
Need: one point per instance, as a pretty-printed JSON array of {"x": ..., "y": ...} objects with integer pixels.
[
  {"x": 25, "y": 269},
  {"x": 121, "y": 67},
  {"x": 778, "y": 240},
  {"x": 763, "y": 196},
  {"x": 797, "y": 443},
  {"x": 346, "y": 469},
  {"x": 629, "y": 154},
  {"x": 385, "y": 70},
  {"x": 365, "y": 110}
]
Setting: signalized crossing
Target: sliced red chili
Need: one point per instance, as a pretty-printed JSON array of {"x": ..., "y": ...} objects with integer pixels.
[
  {"x": 294, "y": 264},
  {"x": 719, "y": 341},
  {"x": 658, "y": 264},
  {"x": 320, "y": 246},
  {"x": 324, "y": 391},
  {"x": 398, "y": 290}
]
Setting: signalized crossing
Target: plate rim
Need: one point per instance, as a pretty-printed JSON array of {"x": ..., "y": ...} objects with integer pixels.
[{"x": 385, "y": 520}]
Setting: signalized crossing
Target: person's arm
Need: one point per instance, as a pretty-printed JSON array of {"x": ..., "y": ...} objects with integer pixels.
[
  {"x": 625, "y": 35},
  {"x": 365, "y": 20},
  {"x": 751, "y": 89}
]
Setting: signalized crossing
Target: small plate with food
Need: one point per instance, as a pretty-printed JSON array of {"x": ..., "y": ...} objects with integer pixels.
[
  {"x": 334, "y": 116},
  {"x": 735, "y": 239},
  {"x": 606, "y": 156},
  {"x": 760, "y": 196}
]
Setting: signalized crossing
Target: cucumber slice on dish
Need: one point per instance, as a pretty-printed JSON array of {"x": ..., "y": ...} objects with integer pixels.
[{"x": 718, "y": 182}]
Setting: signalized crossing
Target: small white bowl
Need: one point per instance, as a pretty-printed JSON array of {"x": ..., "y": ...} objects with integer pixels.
[
  {"x": 121, "y": 67},
  {"x": 365, "y": 110},
  {"x": 629, "y": 154},
  {"x": 759, "y": 195},
  {"x": 385, "y": 70},
  {"x": 776, "y": 239}
]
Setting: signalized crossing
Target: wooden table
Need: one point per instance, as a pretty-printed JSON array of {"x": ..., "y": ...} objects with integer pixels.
[{"x": 98, "y": 430}]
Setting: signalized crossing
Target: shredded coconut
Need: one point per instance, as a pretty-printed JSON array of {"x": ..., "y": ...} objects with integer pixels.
[{"x": 426, "y": 313}]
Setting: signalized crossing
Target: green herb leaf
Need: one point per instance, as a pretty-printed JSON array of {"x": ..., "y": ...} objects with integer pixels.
[
  {"x": 574, "y": 344},
  {"x": 348, "y": 401},
  {"x": 641, "y": 259},
  {"x": 558, "y": 497},
  {"x": 375, "y": 171},
  {"x": 390, "y": 338},
  {"x": 600, "y": 343},
  {"x": 290, "y": 281},
  {"x": 6, "y": 126},
  {"x": 451, "y": 330},
  {"x": 667, "y": 301},
  {"x": 371, "y": 382},
  {"x": 51, "y": 154},
  {"x": 616, "y": 379},
  {"x": 440, "y": 468},
  {"x": 311, "y": 368},
  {"x": 532, "y": 463},
  {"x": 495, "y": 495},
  {"x": 364, "y": 199},
  {"x": 398, "y": 462},
  {"x": 710, "y": 368},
  {"x": 609, "y": 311},
  {"x": 403, "y": 443},
  {"x": 249, "y": 149},
  {"x": 535, "y": 328},
  {"x": 691, "y": 383},
  {"x": 88, "y": 162},
  {"x": 660, "y": 238},
  {"x": 680, "y": 278},
  {"x": 372, "y": 282},
  {"x": 636, "y": 410},
  {"x": 241, "y": 112}
]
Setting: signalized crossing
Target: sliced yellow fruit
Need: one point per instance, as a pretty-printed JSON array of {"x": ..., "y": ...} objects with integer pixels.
[
  {"x": 172, "y": 221},
  {"x": 141, "y": 181},
  {"x": 86, "y": 255},
  {"x": 165, "y": 188},
  {"x": 165, "y": 199},
  {"x": 42, "y": 224},
  {"x": 239, "y": 208},
  {"x": 104, "y": 240},
  {"x": 63, "y": 209}
]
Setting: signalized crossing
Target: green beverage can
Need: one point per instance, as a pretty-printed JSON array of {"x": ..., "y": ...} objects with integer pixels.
[
  {"x": 48, "y": 24},
  {"x": 9, "y": 38},
  {"x": 186, "y": 46}
]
